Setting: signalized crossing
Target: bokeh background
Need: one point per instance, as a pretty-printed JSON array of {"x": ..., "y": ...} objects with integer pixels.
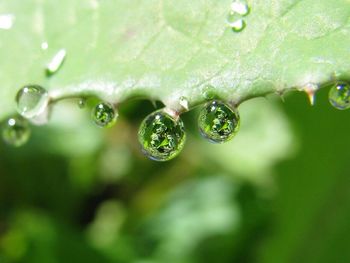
[{"x": 279, "y": 192}]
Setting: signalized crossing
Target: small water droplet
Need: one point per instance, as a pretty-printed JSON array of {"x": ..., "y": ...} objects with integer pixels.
[
  {"x": 82, "y": 103},
  {"x": 44, "y": 46},
  {"x": 184, "y": 103},
  {"x": 209, "y": 92},
  {"x": 6, "y": 21},
  {"x": 162, "y": 136},
  {"x": 218, "y": 122},
  {"x": 238, "y": 25},
  {"x": 104, "y": 115},
  {"x": 240, "y": 7},
  {"x": 339, "y": 95},
  {"x": 16, "y": 131},
  {"x": 56, "y": 62},
  {"x": 32, "y": 100}
]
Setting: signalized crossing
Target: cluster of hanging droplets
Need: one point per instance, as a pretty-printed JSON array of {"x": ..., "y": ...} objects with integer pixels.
[
  {"x": 236, "y": 16},
  {"x": 162, "y": 133}
]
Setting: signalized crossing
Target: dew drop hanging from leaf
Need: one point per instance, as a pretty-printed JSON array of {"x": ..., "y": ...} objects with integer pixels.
[
  {"x": 161, "y": 136},
  {"x": 217, "y": 122},
  {"x": 32, "y": 100},
  {"x": 339, "y": 95},
  {"x": 104, "y": 115}
]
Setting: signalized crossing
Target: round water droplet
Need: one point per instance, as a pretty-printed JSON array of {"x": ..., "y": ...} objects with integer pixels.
[
  {"x": 32, "y": 100},
  {"x": 339, "y": 95},
  {"x": 218, "y": 122},
  {"x": 104, "y": 115},
  {"x": 162, "y": 137},
  {"x": 16, "y": 131}
]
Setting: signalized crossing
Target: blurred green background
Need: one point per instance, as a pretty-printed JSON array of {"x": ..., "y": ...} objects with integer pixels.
[{"x": 279, "y": 192}]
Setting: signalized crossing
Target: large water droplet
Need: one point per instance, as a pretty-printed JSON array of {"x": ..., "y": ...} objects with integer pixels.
[
  {"x": 162, "y": 136},
  {"x": 218, "y": 122},
  {"x": 104, "y": 115},
  {"x": 32, "y": 100},
  {"x": 56, "y": 62},
  {"x": 240, "y": 7},
  {"x": 6, "y": 21},
  {"x": 16, "y": 131},
  {"x": 339, "y": 95}
]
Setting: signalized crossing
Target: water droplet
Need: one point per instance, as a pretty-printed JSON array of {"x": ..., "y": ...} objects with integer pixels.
[
  {"x": 339, "y": 95},
  {"x": 218, "y": 122},
  {"x": 104, "y": 115},
  {"x": 162, "y": 136},
  {"x": 82, "y": 103},
  {"x": 56, "y": 62},
  {"x": 184, "y": 103},
  {"x": 238, "y": 25},
  {"x": 32, "y": 100},
  {"x": 209, "y": 92},
  {"x": 44, "y": 46},
  {"x": 16, "y": 131},
  {"x": 240, "y": 7},
  {"x": 6, "y": 21}
]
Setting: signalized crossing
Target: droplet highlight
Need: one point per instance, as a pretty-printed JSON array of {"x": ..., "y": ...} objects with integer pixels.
[
  {"x": 240, "y": 7},
  {"x": 82, "y": 103},
  {"x": 218, "y": 122},
  {"x": 6, "y": 21},
  {"x": 56, "y": 62},
  {"x": 32, "y": 100},
  {"x": 16, "y": 131},
  {"x": 104, "y": 115},
  {"x": 339, "y": 95},
  {"x": 162, "y": 136}
]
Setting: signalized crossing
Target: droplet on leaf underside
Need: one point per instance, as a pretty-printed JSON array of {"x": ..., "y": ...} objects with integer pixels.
[
  {"x": 31, "y": 101},
  {"x": 218, "y": 122},
  {"x": 339, "y": 95},
  {"x": 161, "y": 136},
  {"x": 56, "y": 62},
  {"x": 16, "y": 131},
  {"x": 104, "y": 115}
]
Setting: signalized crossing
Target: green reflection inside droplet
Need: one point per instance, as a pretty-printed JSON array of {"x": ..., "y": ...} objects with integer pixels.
[
  {"x": 161, "y": 136},
  {"x": 218, "y": 122}
]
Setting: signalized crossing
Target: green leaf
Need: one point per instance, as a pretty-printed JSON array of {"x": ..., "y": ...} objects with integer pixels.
[{"x": 165, "y": 49}]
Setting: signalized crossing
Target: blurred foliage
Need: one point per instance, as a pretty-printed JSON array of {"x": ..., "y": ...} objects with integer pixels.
[{"x": 278, "y": 193}]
